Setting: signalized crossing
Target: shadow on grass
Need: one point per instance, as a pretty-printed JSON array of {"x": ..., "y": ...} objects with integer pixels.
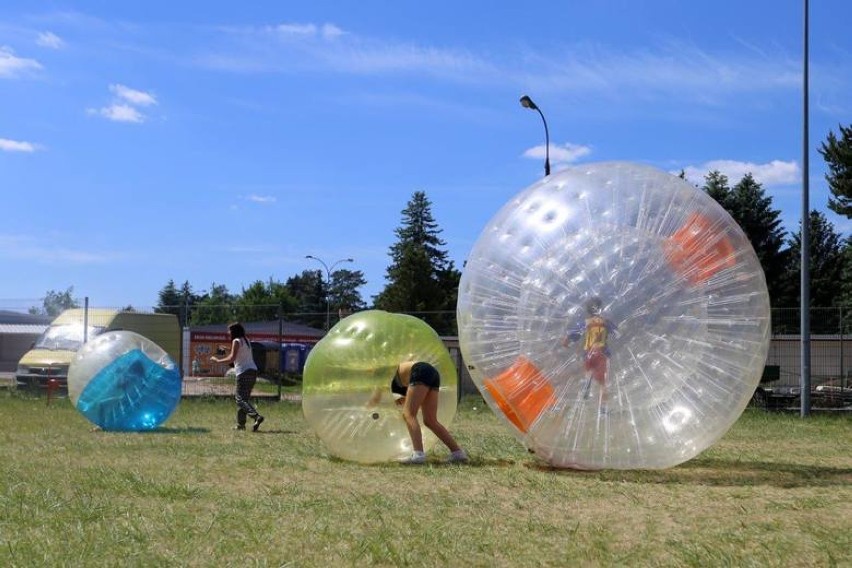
[
  {"x": 161, "y": 430},
  {"x": 184, "y": 430},
  {"x": 723, "y": 473}
]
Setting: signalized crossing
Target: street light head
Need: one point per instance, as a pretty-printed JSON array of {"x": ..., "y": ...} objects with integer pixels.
[
  {"x": 308, "y": 256},
  {"x": 527, "y": 102}
]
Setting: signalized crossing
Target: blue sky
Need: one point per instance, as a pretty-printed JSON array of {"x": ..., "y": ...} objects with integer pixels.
[{"x": 221, "y": 142}]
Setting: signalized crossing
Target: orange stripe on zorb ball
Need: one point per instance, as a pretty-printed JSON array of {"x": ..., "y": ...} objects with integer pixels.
[
  {"x": 521, "y": 392},
  {"x": 699, "y": 250}
]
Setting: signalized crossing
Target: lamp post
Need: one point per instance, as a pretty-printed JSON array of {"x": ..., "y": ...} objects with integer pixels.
[
  {"x": 328, "y": 270},
  {"x": 805, "y": 283},
  {"x": 527, "y": 102}
]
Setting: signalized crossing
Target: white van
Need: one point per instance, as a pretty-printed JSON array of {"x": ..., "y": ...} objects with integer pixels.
[{"x": 53, "y": 350}]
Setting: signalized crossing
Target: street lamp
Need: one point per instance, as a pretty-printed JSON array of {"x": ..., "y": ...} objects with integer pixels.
[
  {"x": 328, "y": 271},
  {"x": 527, "y": 102}
]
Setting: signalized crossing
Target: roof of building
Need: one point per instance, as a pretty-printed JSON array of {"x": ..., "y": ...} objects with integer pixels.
[
  {"x": 10, "y": 317},
  {"x": 22, "y": 328}
]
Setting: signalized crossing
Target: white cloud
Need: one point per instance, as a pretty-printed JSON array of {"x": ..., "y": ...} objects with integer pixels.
[
  {"x": 299, "y": 46},
  {"x": 123, "y": 107},
  {"x": 774, "y": 173},
  {"x": 50, "y": 40},
  {"x": 119, "y": 113},
  {"x": 296, "y": 30},
  {"x": 675, "y": 70},
  {"x": 668, "y": 70},
  {"x": 133, "y": 96},
  {"x": 306, "y": 31},
  {"x": 261, "y": 198},
  {"x": 330, "y": 31},
  {"x": 12, "y": 66},
  {"x": 565, "y": 154},
  {"x": 7, "y": 145}
]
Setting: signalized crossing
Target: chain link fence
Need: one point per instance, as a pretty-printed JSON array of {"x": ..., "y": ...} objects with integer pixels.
[{"x": 32, "y": 351}]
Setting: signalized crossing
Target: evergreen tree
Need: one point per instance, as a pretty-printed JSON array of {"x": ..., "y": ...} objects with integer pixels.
[
  {"x": 716, "y": 186},
  {"x": 838, "y": 156},
  {"x": 177, "y": 302},
  {"x": 309, "y": 291},
  {"x": 826, "y": 266},
  {"x": 168, "y": 299},
  {"x": 343, "y": 292},
  {"x": 420, "y": 271},
  {"x": 752, "y": 209},
  {"x": 749, "y": 206},
  {"x": 846, "y": 276}
]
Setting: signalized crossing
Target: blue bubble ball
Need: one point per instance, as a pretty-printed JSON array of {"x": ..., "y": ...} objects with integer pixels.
[{"x": 122, "y": 381}]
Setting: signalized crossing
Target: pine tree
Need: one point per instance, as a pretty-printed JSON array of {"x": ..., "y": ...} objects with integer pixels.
[
  {"x": 343, "y": 293},
  {"x": 838, "y": 156},
  {"x": 309, "y": 291},
  {"x": 752, "y": 209},
  {"x": 826, "y": 263},
  {"x": 421, "y": 280},
  {"x": 716, "y": 186},
  {"x": 169, "y": 300},
  {"x": 846, "y": 276},
  {"x": 749, "y": 206},
  {"x": 177, "y": 302}
]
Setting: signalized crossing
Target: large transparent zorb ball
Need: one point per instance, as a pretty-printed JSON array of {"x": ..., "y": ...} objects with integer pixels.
[
  {"x": 122, "y": 381},
  {"x": 615, "y": 316},
  {"x": 346, "y": 386}
]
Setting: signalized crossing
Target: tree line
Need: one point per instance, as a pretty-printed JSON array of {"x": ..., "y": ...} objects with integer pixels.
[
  {"x": 422, "y": 281},
  {"x": 779, "y": 252}
]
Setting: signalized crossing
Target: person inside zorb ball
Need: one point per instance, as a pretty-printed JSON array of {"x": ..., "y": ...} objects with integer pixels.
[
  {"x": 614, "y": 316},
  {"x": 351, "y": 395},
  {"x": 123, "y": 381}
]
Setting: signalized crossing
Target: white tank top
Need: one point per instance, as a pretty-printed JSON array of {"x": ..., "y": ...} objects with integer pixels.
[{"x": 244, "y": 360}]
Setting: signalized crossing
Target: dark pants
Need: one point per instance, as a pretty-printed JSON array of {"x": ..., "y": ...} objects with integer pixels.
[{"x": 245, "y": 382}]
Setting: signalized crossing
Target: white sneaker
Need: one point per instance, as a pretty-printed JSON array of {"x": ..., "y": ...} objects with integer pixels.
[
  {"x": 414, "y": 458},
  {"x": 458, "y": 456}
]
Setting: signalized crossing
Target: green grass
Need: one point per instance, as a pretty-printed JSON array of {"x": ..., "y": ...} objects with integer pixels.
[{"x": 775, "y": 491}]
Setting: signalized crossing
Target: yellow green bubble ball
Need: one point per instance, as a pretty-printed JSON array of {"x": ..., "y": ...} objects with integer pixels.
[{"x": 346, "y": 394}]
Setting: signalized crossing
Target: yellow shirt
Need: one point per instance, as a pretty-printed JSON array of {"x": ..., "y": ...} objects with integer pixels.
[{"x": 596, "y": 334}]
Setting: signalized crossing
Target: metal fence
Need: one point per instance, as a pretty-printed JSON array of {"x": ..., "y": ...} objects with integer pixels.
[
  {"x": 830, "y": 344},
  {"x": 830, "y": 347}
]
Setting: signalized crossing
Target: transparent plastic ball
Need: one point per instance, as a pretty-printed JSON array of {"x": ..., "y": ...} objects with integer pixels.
[
  {"x": 615, "y": 316},
  {"x": 346, "y": 385},
  {"x": 122, "y": 381}
]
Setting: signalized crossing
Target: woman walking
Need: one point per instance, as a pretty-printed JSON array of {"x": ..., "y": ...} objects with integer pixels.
[{"x": 246, "y": 371}]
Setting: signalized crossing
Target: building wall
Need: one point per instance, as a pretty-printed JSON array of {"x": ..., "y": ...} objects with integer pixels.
[
  {"x": 831, "y": 359},
  {"x": 204, "y": 344},
  {"x": 12, "y": 348}
]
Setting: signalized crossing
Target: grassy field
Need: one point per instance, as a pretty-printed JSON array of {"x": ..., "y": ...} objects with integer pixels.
[{"x": 775, "y": 491}]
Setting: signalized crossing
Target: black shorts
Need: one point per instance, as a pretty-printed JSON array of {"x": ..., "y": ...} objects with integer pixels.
[{"x": 425, "y": 374}]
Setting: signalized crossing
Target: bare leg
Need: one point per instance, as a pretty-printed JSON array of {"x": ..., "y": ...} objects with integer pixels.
[
  {"x": 413, "y": 401},
  {"x": 430, "y": 419}
]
